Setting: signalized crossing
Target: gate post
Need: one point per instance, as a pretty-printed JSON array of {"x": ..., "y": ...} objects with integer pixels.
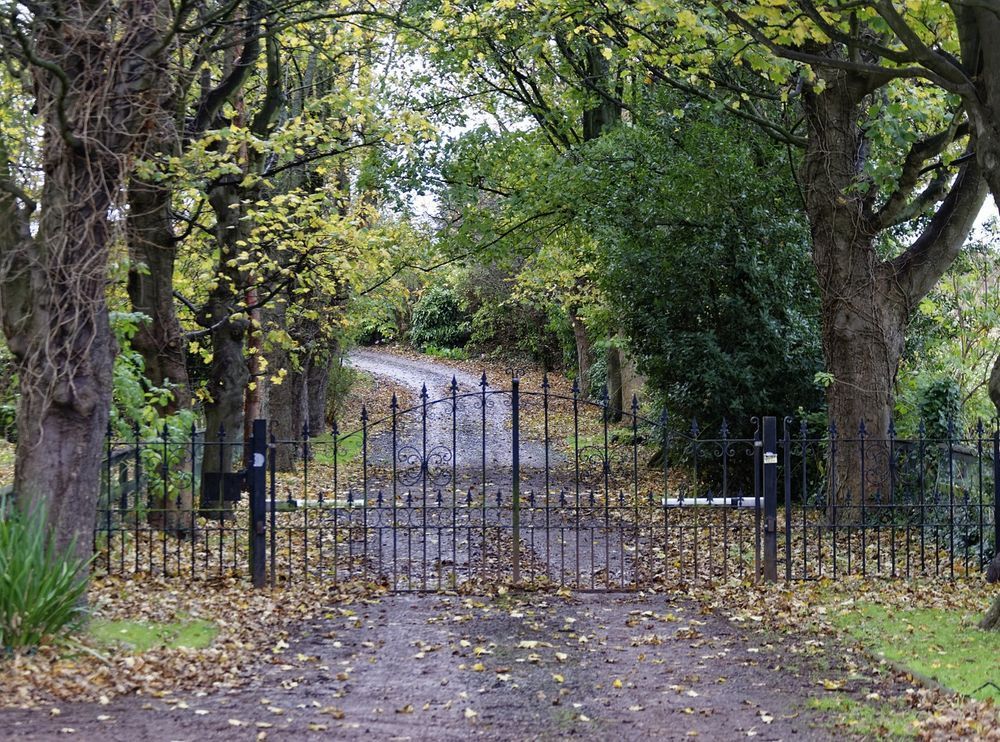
[
  {"x": 515, "y": 412},
  {"x": 258, "y": 517},
  {"x": 996, "y": 492},
  {"x": 770, "y": 499}
]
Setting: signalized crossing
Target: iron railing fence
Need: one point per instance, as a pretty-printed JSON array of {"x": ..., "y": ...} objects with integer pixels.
[{"x": 498, "y": 486}]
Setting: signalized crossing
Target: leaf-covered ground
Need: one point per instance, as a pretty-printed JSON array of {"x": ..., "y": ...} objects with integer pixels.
[{"x": 721, "y": 663}]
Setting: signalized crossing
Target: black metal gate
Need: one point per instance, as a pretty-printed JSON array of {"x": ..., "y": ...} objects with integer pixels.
[
  {"x": 488, "y": 486},
  {"x": 508, "y": 486}
]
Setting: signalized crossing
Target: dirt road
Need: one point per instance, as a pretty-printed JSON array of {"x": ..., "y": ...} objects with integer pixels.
[
  {"x": 472, "y": 436},
  {"x": 451, "y": 668}
]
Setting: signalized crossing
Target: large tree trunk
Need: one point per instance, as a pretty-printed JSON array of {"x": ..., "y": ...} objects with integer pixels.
[
  {"x": 979, "y": 29},
  {"x": 863, "y": 329},
  {"x": 56, "y": 321},
  {"x": 54, "y": 273},
  {"x": 152, "y": 251},
  {"x": 866, "y": 301},
  {"x": 229, "y": 373}
]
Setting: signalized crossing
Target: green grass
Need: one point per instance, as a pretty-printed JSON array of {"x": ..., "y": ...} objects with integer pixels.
[
  {"x": 453, "y": 354},
  {"x": 875, "y": 721},
  {"x": 939, "y": 644},
  {"x": 348, "y": 448},
  {"x": 142, "y": 635}
]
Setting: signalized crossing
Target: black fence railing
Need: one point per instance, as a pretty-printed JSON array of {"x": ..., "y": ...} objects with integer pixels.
[{"x": 487, "y": 486}]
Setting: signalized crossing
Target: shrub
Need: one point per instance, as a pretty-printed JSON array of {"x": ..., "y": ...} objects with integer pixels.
[
  {"x": 342, "y": 379},
  {"x": 41, "y": 589},
  {"x": 439, "y": 320},
  {"x": 8, "y": 422}
]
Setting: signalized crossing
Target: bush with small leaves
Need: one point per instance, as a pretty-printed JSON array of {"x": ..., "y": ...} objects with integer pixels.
[{"x": 439, "y": 320}]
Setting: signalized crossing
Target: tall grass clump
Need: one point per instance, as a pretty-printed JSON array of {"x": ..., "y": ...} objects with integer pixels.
[{"x": 41, "y": 588}]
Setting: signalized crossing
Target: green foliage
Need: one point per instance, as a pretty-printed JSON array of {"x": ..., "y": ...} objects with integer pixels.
[
  {"x": 41, "y": 588},
  {"x": 705, "y": 266},
  {"x": 940, "y": 408},
  {"x": 136, "y": 413},
  {"x": 439, "y": 319},
  {"x": 951, "y": 345},
  {"x": 8, "y": 422},
  {"x": 342, "y": 379},
  {"x": 454, "y": 354},
  {"x": 515, "y": 323}
]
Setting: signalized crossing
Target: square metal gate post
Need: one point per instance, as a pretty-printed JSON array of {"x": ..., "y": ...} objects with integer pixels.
[
  {"x": 258, "y": 509},
  {"x": 515, "y": 411},
  {"x": 770, "y": 499}
]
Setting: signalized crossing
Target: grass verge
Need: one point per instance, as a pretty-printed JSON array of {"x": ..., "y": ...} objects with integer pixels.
[
  {"x": 348, "y": 448},
  {"x": 872, "y": 721},
  {"x": 940, "y": 644},
  {"x": 141, "y": 636}
]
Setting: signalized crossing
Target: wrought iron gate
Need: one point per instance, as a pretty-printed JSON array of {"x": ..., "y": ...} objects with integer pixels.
[
  {"x": 504, "y": 486},
  {"x": 509, "y": 485}
]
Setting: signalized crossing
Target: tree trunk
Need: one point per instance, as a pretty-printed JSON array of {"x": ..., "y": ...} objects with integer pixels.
[
  {"x": 862, "y": 338},
  {"x": 615, "y": 386},
  {"x": 56, "y": 321},
  {"x": 866, "y": 301},
  {"x": 317, "y": 389},
  {"x": 584, "y": 353},
  {"x": 152, "y": 251},
  {"x": 991, "y": 621},
  {"x": 54, "y": 268},
  {"x": 285, "y": 415},
  {"x": 978, "y": 30},
  {"x": 299, "y": 402},
  {"x": 229, "y": 373},
  {"x": 632, "y": 381}
]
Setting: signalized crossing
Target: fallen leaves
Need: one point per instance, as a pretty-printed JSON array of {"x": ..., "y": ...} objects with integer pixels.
[{"x": 252, "y": 626}]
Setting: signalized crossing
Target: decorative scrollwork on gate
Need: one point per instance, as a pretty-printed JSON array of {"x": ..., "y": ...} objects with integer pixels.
[
  {"x": 414, "y": 467},
  {"x": 594, "y": 462}
]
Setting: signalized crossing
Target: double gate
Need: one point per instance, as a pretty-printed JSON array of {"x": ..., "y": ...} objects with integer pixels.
[{"x": 536, "y": 488}]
